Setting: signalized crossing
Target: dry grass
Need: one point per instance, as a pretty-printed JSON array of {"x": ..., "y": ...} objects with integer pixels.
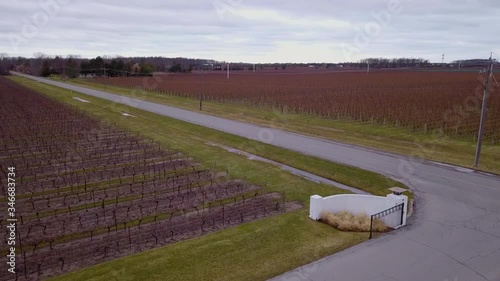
[{"x": 345, "y": 221}]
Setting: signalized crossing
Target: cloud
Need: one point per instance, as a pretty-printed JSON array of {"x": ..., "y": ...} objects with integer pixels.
[{"x": 251, "y": 31}]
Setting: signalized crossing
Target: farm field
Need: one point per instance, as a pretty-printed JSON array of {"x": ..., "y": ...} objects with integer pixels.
[
  {"x": 431, "y": 144},
  {"x": 88, "y": 192},
  {"x": 211, "y": 256},
  {"x": 418, "y": 101}
]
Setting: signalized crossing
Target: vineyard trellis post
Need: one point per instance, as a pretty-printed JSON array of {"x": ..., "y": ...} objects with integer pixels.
[
  {"x": 201, "y": 91},
  {"x": 483, "y": 112}
]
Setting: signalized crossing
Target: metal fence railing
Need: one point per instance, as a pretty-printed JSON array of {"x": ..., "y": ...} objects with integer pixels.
[{"x": 385, "y": 213}]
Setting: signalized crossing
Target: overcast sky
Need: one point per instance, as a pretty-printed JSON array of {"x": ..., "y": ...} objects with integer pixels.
[{"x": 253, "y": 30}]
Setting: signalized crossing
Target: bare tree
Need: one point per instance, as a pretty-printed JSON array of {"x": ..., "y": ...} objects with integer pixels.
[{"x": 4, "y": 70}]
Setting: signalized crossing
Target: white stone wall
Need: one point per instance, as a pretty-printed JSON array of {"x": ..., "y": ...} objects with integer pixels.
[{"x": 360, "y": 205}]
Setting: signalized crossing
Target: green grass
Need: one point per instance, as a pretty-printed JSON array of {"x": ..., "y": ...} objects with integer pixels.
[
  {"x": 448, "y": 149},
  {"x": 252, "y": 251}
]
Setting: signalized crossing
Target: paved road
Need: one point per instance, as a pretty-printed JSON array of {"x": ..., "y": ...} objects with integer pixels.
[{"x": 454, "y": 236}]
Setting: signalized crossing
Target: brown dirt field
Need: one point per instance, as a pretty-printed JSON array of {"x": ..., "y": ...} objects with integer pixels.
[{"x": 447, "y": 101}]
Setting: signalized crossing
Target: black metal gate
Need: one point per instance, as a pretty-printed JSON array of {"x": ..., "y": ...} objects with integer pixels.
[{"x": 386, "y": 213}]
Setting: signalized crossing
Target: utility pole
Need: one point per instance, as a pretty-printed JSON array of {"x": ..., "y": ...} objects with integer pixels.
[
  {"x": 201, "y": 91},
  {"x": 483, "y": 112},
  {"x": 105, "y": 80}
]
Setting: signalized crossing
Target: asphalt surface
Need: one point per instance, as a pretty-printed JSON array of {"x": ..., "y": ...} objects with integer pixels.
[{"x": 454, "y": 234}]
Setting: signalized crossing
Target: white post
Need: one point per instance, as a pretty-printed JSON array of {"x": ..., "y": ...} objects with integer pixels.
[
  {"x": 398, "y": 199},
  {"x": 315, "y": 207},
  {"x": 228, "y": 71}
]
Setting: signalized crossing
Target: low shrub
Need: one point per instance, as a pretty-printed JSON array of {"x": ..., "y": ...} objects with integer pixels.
[{"x": 345, "y": 221}]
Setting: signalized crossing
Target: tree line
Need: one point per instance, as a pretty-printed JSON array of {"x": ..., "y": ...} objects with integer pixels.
[
  {"x": 75, "y": 66},
  {"x": 95, "y": 67},
  {"x": 394, "y": 62}
]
